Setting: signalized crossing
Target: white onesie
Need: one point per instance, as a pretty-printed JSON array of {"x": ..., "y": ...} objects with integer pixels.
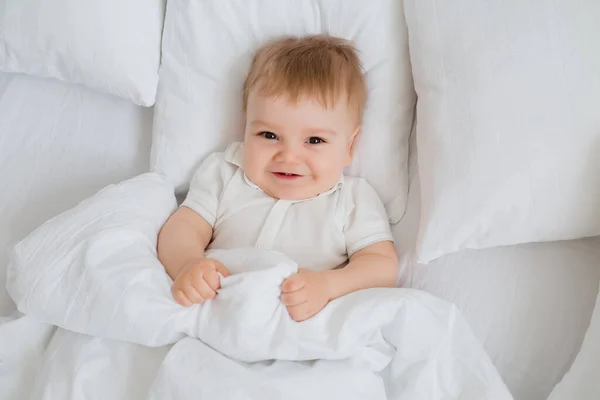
[{"x": 320, "y": 233}]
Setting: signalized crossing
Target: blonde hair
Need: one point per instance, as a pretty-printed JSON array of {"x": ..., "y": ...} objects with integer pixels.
[{"x": 317, "y": 66}]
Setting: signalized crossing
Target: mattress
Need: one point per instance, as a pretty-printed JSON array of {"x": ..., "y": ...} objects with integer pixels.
[
  {"x": 59, "y": 144},
  {"x": 530, "y": 305}
]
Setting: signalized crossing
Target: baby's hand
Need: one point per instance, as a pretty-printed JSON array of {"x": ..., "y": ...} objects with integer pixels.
[
  {"x": 198, "y": 281},
  {"x": 305, "y": 294}
]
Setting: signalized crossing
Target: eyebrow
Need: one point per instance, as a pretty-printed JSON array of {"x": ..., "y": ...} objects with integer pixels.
[
  {"x": 315, "y": 131},
  {"x": 311, "y": 130},
  {"x": 263, "y": 123}
]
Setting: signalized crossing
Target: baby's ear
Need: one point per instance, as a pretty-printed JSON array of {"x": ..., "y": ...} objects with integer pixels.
[
  {"x": 245, "y": 123},
  {"x": 351, "y": 145}
]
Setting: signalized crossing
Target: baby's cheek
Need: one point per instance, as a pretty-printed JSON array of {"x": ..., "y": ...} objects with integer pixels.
[
  {"x": 333, "y": 163},
  {"x": 251, "y": 166}
]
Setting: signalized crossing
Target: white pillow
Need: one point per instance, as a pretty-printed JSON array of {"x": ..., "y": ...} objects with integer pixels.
[
  {"x": 509, "y": 121},
  {"x": 207, "y": 50},
  {"x": 583, "y": 379},
  {"x": 112, "y": 46},
  {"x": 529, "y": 304}
]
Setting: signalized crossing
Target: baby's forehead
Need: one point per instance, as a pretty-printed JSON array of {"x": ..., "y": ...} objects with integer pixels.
[
  {"x": 303, "y": 115},
  {"x": 340, "y": 103}
]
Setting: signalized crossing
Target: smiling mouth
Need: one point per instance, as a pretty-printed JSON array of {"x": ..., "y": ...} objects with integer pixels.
[{"x": 286, "y": 176}]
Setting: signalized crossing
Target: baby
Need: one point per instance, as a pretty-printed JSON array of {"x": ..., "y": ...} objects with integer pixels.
[{"x": 283, "y": 188}]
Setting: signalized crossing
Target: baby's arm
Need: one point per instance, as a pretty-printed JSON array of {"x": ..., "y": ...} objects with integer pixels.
[
  {"x": 181, "y": 245},
  {"x": 183, "y": 238},
  {"x": 374, "y": 266},
  {"x": 307, "y": 292},
  {"x": 372, "y": 258}
]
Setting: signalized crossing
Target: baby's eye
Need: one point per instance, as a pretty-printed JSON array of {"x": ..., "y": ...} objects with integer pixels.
[
  {"x": 315, "y": 140},
  {"x": 269, "y": 135}
]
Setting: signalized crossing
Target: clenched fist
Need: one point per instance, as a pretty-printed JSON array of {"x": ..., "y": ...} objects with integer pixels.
[
  {"x": 305, "y": 294},
  {"x": 198, "y": 281}
]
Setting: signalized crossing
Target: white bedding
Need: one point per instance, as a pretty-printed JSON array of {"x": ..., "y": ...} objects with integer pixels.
[
  {"x": 94, "y": 270},
  {"x": 581, "y": 382},
  {"x": 529, "y": 305},
  {"x": 60, "y": 143}
]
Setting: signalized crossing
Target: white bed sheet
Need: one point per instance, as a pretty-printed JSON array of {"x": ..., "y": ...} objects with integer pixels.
[
  {"x": 530, "y": 305},
  {"x": 60, "y": 143}
]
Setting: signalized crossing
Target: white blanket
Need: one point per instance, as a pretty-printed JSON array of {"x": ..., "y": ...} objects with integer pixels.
[{"x": 93, "y": 270}]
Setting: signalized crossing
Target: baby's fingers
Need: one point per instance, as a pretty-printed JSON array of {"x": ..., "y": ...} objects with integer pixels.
[
  {"x": 193, "y": 294},
  {"x": 293, "y": 283},
  {"x": 294, "y": 298},
  {"x": 301, "y": 312},
  {"x": 181, "y": 298},
  {"x": 221, "y": 269},
  {"x": 213, "y": 280},
  {"x": 202, "y": 287}
]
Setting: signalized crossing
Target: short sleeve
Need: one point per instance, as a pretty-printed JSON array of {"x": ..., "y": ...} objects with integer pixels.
[
  {"x": 367, "y": 222},
  {"x": 207, "y": 186}
]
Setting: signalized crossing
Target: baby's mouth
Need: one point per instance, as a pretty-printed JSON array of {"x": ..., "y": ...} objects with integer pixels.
[{"x": 286, "y": 175}]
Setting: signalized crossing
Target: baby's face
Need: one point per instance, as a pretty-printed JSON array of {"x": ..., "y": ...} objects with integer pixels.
[{"x": 295, "y": 151}]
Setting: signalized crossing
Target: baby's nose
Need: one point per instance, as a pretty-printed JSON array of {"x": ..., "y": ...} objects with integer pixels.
[{"x": 287, "y": 154}]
